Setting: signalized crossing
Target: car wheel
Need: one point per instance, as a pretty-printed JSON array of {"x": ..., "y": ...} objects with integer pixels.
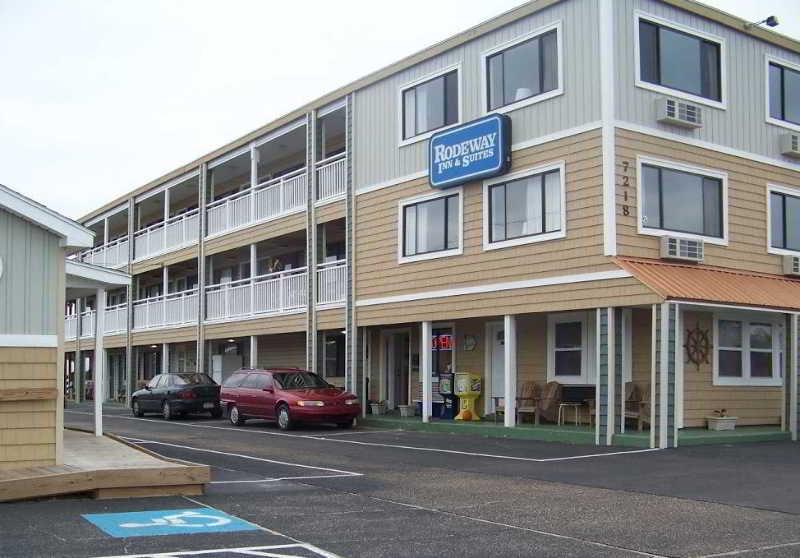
[
  {"x": 166, "y": 410},
  {"x": 235, "y": 417},
  {"x": 348, "y": 424},
  {"x": 137, "y": 411},
  {"x": 216, "y": 413},
  {"x": 284, "y": 420}
]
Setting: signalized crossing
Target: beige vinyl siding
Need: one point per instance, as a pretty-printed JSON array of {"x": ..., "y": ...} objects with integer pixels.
[
  {"x": 554, "y": 298},
  {"x": 332, "y": 318},
  {"x": 282, "y": 351},
  {"x": 166, "y": 335},
  {"x": 331, "y": 211},
  {"x": 268, "y": 325},
  {"x": 380, "y": 274},
  {"x": 28, "y": 428},
  {"x": 256, "y": 233},
  {"x": 115, "y": 341},
  {"x": 70, "y": 346},
  {"x": 641, "y": 347},
  {"x": 747, "y": 201},
  {"x": 751, "y": 404}
]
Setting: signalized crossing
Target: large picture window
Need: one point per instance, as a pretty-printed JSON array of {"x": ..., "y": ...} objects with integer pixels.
[
  {"x": 784, "y": 93},
  {"x": 430, "y": 105},
  {"x": 571, "y": 355},
  {"x": 784, "y": 212},
  {"x": 679, "y": 60},
  {"x": 681, "y": 201},
  {"x": 526, "y": 208},
  {"x": 431, "y": 226},
  {"x": 747, "y": 351},
  {"x": 523, "y": 71}
]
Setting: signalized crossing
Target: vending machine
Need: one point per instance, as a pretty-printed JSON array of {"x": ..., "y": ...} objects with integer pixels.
[
  {"x": 449, "y": 406},
  {"x": 468, "y": 389}
]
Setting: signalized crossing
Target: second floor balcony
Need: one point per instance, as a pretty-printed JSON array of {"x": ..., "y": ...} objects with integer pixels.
[
  {"x": 171, "y": 234},
  {"x": 272, "y": 293},
  {"x": 174, "y": 309},
  {"x": 332, "y": 177},
  {"x": 113, "y": 254},
  {"x": 331, "y": 282}
]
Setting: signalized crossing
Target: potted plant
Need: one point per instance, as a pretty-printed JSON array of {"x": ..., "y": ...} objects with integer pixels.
[
  {"x": 407, "y": 410},
  {"x": 721, "y": 420},
  {"x": 378, "y": 407}
]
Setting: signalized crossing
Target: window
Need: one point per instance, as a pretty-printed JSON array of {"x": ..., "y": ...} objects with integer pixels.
[
  {"x": 747, "y": 351},
  {"x": 784, "y": 93},
  {"x": 527, "y": 208},
  {"x": 234, "y": 380},
  {"x": 681, "y": 201},
  {"x": 570, "y": 339},
  {"x": 442, "y": 346},
  {"x": 679, "y": 61},
  {"x": 331, "y": 355},
  {"x": 430, "y": 105},
  {"x": 256, "y": 381},
  {"x": 523, "y": 71},
  {"x": 784, "y": 214},
  {"x": 431, "y": 226}
]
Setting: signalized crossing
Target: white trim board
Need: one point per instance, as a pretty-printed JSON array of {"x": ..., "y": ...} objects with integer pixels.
[
  {"x": 32, "y": 341},
  {"x": 638, "y": 128},
  {"x": 496, "y": 287}
]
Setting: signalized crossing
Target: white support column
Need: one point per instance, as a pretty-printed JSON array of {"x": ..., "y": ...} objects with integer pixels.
[
  {"x": 366, "y": 365},
  {"x": 510, "y": 354},
  {"x": 611, "y": 341},
  {"x": 164, "y": 288},
  {"x": 166, "y": 216},
  {"x": 253, "y": 273},
  {"x": 793, "y": 364},
  {"x": 254, "y": 351},
  {"x": 99, "y": 361},
  {"x": 426, "y": 371},
  {"x": 253, "y": 182},
  {"x": 164, "y": 358},
  {"x": 653, "y": 351}
]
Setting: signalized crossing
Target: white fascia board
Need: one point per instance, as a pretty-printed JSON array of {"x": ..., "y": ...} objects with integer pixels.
[
  {"x": 73, "y": 234},
  {"x": 100, "y": 276}
]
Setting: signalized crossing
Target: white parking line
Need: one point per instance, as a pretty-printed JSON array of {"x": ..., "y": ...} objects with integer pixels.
[
  {"x": 759, "y": 549},
  {"x": 339, "y": 472},
  {"x": 325, "y": 438},
  {"x": 278, "y": 550}
]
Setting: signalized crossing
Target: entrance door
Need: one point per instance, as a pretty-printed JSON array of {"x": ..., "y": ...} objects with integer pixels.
[
  {"x": 497, "y": 365},
  {"x": 395, "y": 368}
]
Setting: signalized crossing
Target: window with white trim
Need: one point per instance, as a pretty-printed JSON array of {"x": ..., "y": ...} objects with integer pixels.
[
  {"x": 784, "y": 93},
  {"x": 784, "y": 214},
  {"x": 570, "y": 348},
  {"x": 680, "y": 201},
  {"x": 678, "y": 60},
  {"x": 522, "y": 71},
  {"x": 747, "y": 351},
  {"x": 431, "y": 226},
  {"x": 527, "y": 206},
  {"x": 430, "y": 105}
]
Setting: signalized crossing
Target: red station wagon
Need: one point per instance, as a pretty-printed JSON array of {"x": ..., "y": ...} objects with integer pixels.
[{"x": 287, "y": 396}]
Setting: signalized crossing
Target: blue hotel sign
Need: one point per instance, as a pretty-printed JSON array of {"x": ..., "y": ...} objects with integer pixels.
[{"x": 472, "y": 151}]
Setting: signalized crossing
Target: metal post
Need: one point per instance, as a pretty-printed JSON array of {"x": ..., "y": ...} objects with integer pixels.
[
  {"x": 426, "y": 371},
  {"x": 510, "y": 354},
  {"x": 99, "y": 361}
]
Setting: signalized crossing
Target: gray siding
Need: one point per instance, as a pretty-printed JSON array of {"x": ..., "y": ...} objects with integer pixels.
[
  {"x": 28, "y": 297},
  {"x": 378, "y": 158},
  {"x": 743, "y": 124}
]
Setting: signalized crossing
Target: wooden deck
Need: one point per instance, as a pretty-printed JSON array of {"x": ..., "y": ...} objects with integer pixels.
[{"x": 104, "y": 468}]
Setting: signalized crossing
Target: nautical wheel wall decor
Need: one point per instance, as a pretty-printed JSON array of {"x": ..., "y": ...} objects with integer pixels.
[{"x": 697, "y": 346}]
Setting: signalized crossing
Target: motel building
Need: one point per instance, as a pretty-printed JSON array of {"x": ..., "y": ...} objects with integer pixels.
[{"x": 591, "y": 205}]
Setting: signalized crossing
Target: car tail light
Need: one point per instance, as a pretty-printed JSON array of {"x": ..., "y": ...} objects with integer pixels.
[{"x": 187, "y": 394}]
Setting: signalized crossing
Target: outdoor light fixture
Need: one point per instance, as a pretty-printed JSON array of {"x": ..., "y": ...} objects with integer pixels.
[
  {"x": 154, "y": 346},
  {"x": 231, "y": 340},
  {"x": 771, "y": 21}
]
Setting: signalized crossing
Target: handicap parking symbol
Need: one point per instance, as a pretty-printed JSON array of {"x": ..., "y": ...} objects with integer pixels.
[{"x": 167, "y": 522}]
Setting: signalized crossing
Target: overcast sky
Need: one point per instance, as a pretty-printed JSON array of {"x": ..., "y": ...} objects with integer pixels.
[{"x": 98, "y": 97}]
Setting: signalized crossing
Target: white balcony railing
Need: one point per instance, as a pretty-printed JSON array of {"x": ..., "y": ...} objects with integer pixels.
[
  {"x": 265, "y": 294},
  {"x": 171, "y": 234},
  {"x": 332, "y": 177},
  {"x": 87, "y": 323},
  {"x": 266, "y": 201},
  {"x": 113, "y": 254},
  {"x": 115, "y": 319},
  {"x": 331, "y": 282},
  {"x": 162, "y": 311},
  {"x": 70, "y": 327}
]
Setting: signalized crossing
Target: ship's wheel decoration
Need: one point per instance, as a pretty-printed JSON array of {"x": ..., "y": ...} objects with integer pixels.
[{"x": 697, "y": 346}]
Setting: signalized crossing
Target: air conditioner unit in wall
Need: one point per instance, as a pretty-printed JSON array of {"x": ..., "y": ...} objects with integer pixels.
[
  {"x": 791, "y": 265},
  {"x": 684, "y": 249},
  {"x": 790, "y": 145},
  {"x": 678, "y": 113}
]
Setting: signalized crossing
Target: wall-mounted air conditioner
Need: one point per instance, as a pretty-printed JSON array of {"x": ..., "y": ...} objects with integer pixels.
[
  {"x": 678, "y": 113},
  {"x": 791, "y": 265},
  {"x": 684, "y": 249},
  {"x": 790, "y": 145}
]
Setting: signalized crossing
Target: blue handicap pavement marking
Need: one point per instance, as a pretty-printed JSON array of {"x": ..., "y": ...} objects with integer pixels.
[{"x": 167, "y": 522}]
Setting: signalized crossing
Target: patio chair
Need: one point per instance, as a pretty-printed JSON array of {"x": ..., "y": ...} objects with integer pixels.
[
  {"x": 526, "y": 403},
  {"x": 637, "y": 404},
  {"x": 549, "y": 401},
  {"x": 576, "y": 398}
]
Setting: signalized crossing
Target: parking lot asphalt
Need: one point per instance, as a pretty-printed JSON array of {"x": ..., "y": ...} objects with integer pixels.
[{"x": 328, "y": 492}]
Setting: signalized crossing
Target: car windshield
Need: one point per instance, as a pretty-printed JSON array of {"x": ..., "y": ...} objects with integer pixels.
[
  {"x": 192, "y": 380},
  {"x": 299, "y": 380}
]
